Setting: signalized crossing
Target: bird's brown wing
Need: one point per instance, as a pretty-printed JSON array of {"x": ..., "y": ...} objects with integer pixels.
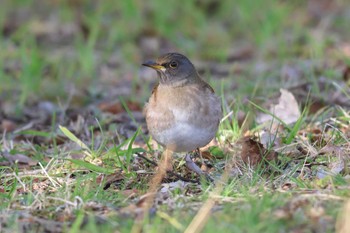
[
  {"x": 154, "y": 91},
  {"x": 207, "y": 86}
]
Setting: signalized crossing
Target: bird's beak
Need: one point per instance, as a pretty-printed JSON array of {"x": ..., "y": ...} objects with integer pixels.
[{"x": 154, "y": 65}]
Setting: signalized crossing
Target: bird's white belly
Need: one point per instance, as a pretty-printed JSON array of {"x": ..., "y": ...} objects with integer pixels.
[
  {"x": 185, "y": 137},
  {"x": 186, "y": 123}
]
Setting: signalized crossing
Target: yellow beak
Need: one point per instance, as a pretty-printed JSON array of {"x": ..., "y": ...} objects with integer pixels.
[{"x": 153, "y": 65}]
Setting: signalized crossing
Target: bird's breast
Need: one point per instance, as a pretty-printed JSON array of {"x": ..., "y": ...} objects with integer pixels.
[{"x": 185, "y": 117}]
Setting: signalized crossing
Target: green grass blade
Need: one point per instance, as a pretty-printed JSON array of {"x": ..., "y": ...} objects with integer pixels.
[
  {"x": 129, "y": 151},
  {"x": 73, "y": 138},
  {"x": 296, "y": 128},
  {"x": 91, "y": 167},
  {"x": 35, "y": 133}
]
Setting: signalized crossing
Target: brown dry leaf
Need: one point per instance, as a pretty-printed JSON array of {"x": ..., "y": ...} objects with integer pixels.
[
  {"x": 112, "y": 178},
  {"x": 253, "y": 152},
  {"x": 288, "y": 186},
  {"x": 316, "y": 106},
  {"x": 287, "y": 109},
  {"x": 346, "y": 75},
  {"x": 207, "y": 155},
  {"x": 117, "y": 107},
  {"x": 7, "y": 125}
]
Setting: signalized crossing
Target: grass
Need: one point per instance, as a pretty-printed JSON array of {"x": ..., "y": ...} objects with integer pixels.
[{"x": 61, "y": 61}]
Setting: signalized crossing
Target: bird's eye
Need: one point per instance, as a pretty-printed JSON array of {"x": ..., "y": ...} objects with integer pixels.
[{"x": 173, "y": 64}]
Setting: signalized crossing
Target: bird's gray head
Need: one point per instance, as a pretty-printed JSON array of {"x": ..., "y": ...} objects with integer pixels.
[{"x": 174, "y": 69}]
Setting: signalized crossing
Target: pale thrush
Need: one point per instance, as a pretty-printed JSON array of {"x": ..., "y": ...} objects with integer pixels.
[{"x": 183, "y": 112}]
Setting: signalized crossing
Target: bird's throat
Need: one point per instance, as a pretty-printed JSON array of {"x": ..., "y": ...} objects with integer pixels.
[{"x": 173, "y": 82}]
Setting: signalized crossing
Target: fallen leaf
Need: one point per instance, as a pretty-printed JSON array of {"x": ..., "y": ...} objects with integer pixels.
[
  {"x": 253, "y": 152},
  {"x": 7, "y": 125},
  {"x": 287, "y": 109},
  {"x": 117, "y": 107},
  {"x": 346, "y": 75},
  {"x": 114, "y": 178},
  {"x": 288, "y": 186},
  {"x": 316, "y": 105},
  {"x": 19, "y": 158}
]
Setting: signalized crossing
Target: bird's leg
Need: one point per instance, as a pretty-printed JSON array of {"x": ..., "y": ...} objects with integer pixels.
[
  {"x": 166, "y": 161},
  {"x": 193, "y": 167},
  {"x": 169, "y": 171}
]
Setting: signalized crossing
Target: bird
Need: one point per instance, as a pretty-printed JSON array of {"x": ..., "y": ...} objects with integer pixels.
[{"x": 183, "y": 112}]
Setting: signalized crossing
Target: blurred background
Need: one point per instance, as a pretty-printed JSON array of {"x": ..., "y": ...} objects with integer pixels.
[
  {"x": 75, "y": 52},
  {"x": 77, "y": 63}
]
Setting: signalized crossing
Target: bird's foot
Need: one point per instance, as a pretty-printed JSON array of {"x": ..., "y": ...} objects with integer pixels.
[{"x": 194, "y": 167}]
